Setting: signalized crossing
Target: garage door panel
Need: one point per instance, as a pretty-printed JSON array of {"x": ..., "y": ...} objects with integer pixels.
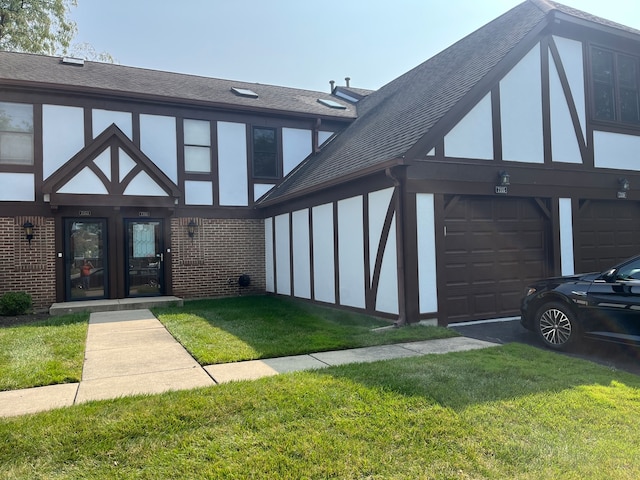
[
  {"x": 606, "y": 232},
  {"x": 493, "y": 248}
]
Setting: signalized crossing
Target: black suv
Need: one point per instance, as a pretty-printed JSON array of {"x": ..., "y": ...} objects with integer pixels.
[{"x": 605, "y": 306}]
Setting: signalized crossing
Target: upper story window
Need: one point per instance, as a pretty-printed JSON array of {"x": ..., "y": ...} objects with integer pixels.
[
  {"x": 16, "y": 134},
  {"x": 265, "y": 152},
  {"x": 197, "y": 146},
  {"x": 616, "y": 90}
]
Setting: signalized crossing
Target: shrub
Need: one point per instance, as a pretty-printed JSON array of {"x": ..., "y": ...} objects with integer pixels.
[{"x": 15, "y": 303}]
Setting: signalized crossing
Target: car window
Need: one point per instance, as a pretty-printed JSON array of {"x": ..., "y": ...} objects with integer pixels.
[{"x": 631, "y": 271}]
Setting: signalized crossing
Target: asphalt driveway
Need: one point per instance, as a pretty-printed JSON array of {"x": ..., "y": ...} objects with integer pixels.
[{"x": 620, "y": 357}]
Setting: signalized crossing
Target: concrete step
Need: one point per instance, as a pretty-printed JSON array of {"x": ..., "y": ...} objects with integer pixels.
[{"x": 112, "y": 305}]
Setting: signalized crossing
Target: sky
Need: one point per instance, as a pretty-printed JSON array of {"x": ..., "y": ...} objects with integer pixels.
[{"x": 295, "y": 43}]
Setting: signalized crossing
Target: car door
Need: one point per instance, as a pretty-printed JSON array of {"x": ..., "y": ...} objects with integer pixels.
[{"x": 613, "y": 302}]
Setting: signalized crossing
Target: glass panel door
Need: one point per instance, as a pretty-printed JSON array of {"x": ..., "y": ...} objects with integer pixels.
[
  {"x": 85, "y": 263},
  {"x": 144, "y": 258}
]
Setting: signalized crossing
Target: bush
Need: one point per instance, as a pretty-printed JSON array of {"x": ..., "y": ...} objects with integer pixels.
[{"x": 15, "y": 303}]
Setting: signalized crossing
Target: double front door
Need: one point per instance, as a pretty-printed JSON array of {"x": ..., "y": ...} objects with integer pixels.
[{"x": 103, "y": 263}]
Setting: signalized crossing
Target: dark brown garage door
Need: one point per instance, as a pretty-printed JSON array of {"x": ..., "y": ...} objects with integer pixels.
[
  {"x": 493, "y": 248},
  {"x": 606, "y": 233}
]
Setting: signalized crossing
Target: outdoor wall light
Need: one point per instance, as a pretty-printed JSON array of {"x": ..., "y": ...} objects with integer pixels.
[
  {"x": 504, "y": 179},
  {"x": 191, "y": 228},
  {"x": 623, "y": 184},
  {"x": 28, "y": 231}
]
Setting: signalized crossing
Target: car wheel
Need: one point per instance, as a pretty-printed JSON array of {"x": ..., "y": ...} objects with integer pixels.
[{"x": 556, "y": 324}]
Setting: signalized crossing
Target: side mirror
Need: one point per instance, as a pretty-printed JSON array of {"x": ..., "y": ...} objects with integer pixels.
[{"x": 609, "y": 276}]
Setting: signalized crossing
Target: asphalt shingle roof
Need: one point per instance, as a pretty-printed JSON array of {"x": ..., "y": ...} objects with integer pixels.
[
  {"x": 121, "y": 80},
  {"x": 392, "y": 119}
]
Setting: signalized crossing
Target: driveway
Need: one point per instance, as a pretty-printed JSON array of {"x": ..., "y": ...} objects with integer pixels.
[{"x": 620, "y": 357}]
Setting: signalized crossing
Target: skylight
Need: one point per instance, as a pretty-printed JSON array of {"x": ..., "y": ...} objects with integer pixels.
[
  {"x": 244, "y": 92},
  {"x": 78, "y": 62},
  {"x": 331, "y": 104}
]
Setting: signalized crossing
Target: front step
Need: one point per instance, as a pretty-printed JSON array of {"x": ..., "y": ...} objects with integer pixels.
[{"x": 112, "y": 305}]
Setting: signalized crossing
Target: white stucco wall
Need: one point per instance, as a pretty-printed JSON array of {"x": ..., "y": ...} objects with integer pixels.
[
  {"x": 472, "y": 137},
  {"x": 301, "y": 254},
  {"x": 616, "y": 150},
  {"x": 17, "y": 187},
  {"x": 564, "y": 143},
  {"x": 158, "y": 142},
  {"x": 232, "y": 164},
  {"x": 521, "y": 111},
  {"x": 566, "y": 237},
  {"x": 351, "y": 252},
  {"x": 102, "y": 119},
  {"x": 296, "y": 146},
  {"x": 60, "y": 122},
  {"x": 572, "y": 59},
  {"x": 283, "y": 259},
  {"x": 268, "y": 260},
  {"x": 387, "y": 294},
  {"x": 427, "y": 290},
  {"x": 323, "y": 254}
]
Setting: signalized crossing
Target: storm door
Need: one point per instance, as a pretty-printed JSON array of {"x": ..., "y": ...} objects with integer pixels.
[
  {"x": 144, "y": 258},
  {"x": 86, "y": 271}
]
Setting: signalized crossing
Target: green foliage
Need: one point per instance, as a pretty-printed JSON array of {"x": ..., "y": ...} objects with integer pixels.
[
  {"x": 248, "y": 328},
  {"x": 509, "y": 412},
  {"x": 15, "y": 303},
  {"x": 43, "y": 353},
  {"x": 36, "y": 26}
]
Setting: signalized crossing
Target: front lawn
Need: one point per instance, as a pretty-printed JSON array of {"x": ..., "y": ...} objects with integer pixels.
[
  {"x": 248, "y": 328},
  {"x": 512, "y": 412},
  {"x": 43, "y": 353}
]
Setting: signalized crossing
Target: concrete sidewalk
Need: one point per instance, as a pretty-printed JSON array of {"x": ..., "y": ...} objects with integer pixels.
[{"x": 130, "y": 353}]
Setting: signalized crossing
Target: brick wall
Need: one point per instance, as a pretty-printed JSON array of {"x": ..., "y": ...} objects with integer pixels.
[
  {"x": 24, "y": 267},
  {"x": 209, "y": 264}
]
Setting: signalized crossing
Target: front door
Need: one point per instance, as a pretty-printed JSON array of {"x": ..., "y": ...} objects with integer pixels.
[
  {"x": 144, "y": 258},
  {"x": 86, "y": 269}
]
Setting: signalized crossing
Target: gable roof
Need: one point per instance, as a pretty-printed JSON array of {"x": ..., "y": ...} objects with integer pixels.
[
  {"x": 105, "y": 78},
  {"x": 401, "y": 116}
]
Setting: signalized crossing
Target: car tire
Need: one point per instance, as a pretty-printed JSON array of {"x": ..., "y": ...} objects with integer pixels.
[{"x": 556, "y": 325}]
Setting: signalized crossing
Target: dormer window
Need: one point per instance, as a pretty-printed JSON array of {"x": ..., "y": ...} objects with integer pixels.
[{"x": 616, "y": 90}]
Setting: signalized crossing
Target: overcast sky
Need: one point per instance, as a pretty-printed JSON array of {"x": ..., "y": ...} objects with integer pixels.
[{"x": 295, "y": 43}]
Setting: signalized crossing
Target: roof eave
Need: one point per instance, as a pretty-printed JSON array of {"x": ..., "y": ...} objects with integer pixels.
[
  {"x": 149, "y": 98},
  {"x": 356, "y": 175}
]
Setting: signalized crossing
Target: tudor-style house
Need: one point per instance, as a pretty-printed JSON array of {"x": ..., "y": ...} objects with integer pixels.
[{"x": 509, "y": 156}]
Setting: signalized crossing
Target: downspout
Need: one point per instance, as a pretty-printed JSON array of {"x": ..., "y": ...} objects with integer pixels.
[{"x": 399, "y": 182}]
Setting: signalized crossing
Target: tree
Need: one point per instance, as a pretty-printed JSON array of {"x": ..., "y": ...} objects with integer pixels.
[{"x": 36, "y": 26}]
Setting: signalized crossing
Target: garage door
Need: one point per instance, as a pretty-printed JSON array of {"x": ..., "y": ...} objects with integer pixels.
[
  {"x": 606, "y": 232},
  {"x": 493, "y": 248}
]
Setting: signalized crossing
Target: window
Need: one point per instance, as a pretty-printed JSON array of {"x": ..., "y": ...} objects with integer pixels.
[
  {"x": 16, "y": 134},
  {"x": 615, "y": 86},
  {"x": 197, "y": 146},
  {"x": 265, "y": 153}
]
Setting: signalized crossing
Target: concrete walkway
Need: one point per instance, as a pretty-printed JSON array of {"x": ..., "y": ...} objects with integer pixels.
[{"x": 130, "y": 353}]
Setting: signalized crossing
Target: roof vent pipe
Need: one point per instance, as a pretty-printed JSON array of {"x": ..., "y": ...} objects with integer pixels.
[
  {"x": 347, "y": 79},
  {"x": 333, "y": 84}
]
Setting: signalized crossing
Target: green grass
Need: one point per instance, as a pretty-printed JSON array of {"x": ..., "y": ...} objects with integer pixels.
[
  {"x": 248, "y": 328},
  {"x": 43, "y": 353},
  {"x": 506, "y": 412}
]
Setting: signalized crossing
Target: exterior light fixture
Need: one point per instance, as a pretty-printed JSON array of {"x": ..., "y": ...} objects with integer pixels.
[
  {"x": 624, "y": 184},
  {"x": 623, "y": 187},
  {"x": 504, "y": 180},
  {"x": 191, "y": 228},
  {"x": 28, "y": 231}
]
